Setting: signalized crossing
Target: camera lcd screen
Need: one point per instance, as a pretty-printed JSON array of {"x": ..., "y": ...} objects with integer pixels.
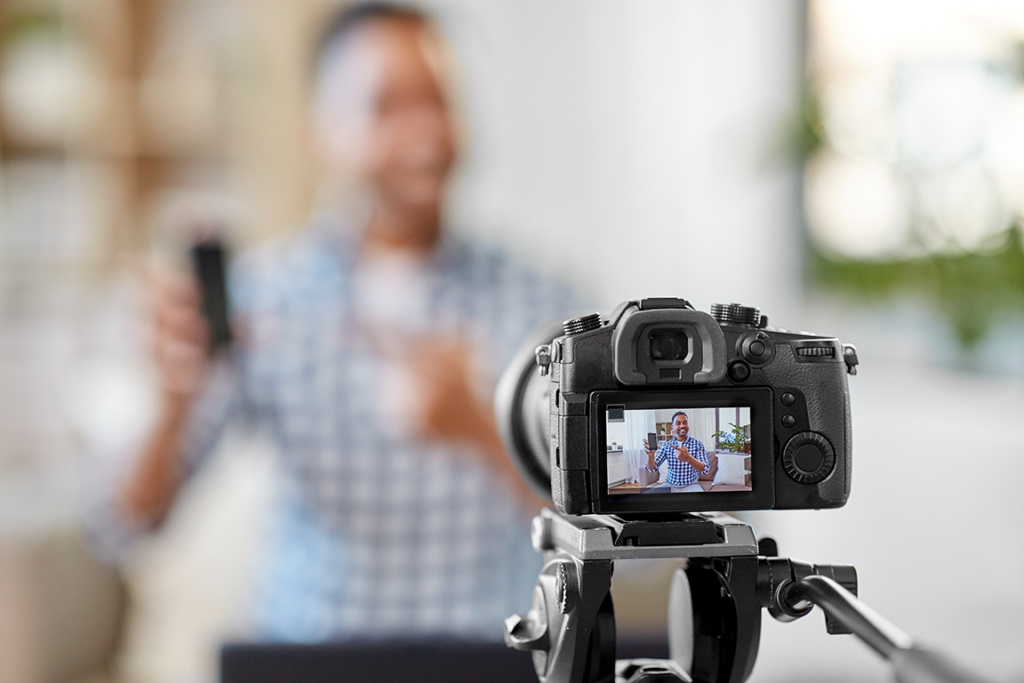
[{"x": 698, "y": 450}]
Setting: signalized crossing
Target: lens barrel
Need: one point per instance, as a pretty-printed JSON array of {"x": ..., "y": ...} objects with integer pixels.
[{"x": 522, "y": 410}]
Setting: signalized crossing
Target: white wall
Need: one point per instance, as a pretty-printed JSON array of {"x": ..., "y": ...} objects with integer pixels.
[
  {"x": 616, "y": 432},
  {"x": 627, "y": 146}
]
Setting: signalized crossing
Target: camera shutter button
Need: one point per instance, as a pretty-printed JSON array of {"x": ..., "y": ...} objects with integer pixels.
[{"x": 757, "y": 349}]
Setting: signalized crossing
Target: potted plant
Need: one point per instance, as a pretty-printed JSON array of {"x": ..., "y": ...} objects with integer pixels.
[{"x": 733, "y": 441}]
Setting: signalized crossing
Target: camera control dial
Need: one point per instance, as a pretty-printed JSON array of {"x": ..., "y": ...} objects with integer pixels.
[
  {"x": 584, "y": 324},
  {"x": 736, "y": 314},
  {"x": 808, "y": 458}
]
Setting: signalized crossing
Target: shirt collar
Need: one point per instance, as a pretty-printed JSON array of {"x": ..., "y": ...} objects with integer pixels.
[{"x": 342, "y": 240}]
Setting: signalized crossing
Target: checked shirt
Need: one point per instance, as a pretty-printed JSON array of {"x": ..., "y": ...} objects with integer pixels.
[
  {"x": 680, "y": 473},
  {"x": 377, "y": 532}
]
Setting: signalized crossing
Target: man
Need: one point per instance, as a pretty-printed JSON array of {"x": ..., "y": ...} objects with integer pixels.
[
  {"x": 686, "y": 457},
  {"x": 364, "y": 344}
]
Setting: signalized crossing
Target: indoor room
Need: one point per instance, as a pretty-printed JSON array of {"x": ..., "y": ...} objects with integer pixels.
[
  {"x": 263, "y": 267},
  {"x": 724, "y": 433}
]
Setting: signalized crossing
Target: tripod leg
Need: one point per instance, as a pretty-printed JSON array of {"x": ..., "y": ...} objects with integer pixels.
[
  {"x": 680, "y": 621},
  {"x": 601, "y": 648},
  {"x": 726, "y": 618},
  {"x": 571, "y": 624}
]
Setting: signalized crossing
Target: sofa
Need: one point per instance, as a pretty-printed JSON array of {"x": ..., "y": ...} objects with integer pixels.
[{"x": 734, "y": 468}]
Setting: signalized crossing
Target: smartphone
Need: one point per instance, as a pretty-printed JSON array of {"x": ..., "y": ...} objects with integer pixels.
[
  {"x": 208, "y": 257},
  {"x": 652, "y": 441}
]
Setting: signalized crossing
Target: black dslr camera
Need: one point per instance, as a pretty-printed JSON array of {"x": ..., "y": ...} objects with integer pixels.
[
  {"x": 642, "y": 428},
  {"x": 766, "y": 412}
]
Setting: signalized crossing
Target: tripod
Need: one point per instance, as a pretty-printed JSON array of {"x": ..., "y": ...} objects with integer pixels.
[{"x": 714, "y": 605}]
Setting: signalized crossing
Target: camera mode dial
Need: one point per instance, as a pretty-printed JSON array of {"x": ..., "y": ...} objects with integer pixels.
[
  {"x": 736, "y": 314},
  {"x": 584, "y": 324},
  {"x": 808, "y": 458}
]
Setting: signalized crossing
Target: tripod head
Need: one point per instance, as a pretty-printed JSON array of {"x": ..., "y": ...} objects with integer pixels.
[{"x": 714, "y": 606}]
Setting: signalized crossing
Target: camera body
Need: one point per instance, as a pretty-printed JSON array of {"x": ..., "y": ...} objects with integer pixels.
[{"x": 773, "y": 404}]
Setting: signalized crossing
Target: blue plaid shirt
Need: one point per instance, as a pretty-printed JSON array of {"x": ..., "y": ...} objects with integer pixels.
[
  {"x": 680, "y": 473},
  {"x": 376, "y": 533}
]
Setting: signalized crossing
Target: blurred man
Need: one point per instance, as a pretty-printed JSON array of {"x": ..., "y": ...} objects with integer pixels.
[
  {"x": 368, "y": 348},
  {"x": 686, "y": 457}
]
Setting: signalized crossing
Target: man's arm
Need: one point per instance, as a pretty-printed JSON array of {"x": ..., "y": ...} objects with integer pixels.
[
  {"x": 180, "y": 339},
  {"x": 481, "y": 429},
  {"x": 655, "y": 458},
  {"x": 449, "y": 409},
  {"x": 702, "y": 458}
]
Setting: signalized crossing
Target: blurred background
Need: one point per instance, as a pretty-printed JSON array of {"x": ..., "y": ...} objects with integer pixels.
[{"x": 851, "y": 168}]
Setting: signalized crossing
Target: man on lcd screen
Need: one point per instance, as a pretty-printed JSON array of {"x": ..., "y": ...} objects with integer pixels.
[{"x": 686, "y": 457}]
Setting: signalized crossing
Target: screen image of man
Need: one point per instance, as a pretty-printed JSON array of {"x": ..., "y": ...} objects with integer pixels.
[
  {"x": 370, "y": 342},
  {"x": 686, "y": 457}
]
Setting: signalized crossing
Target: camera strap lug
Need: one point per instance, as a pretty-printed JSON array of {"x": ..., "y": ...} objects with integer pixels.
[
  {"x": 543, "y": 355},
  {"x": 850, "y": 356}
]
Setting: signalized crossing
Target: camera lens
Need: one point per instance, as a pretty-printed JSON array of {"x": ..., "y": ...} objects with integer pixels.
[{"x": 668, "y": 345}]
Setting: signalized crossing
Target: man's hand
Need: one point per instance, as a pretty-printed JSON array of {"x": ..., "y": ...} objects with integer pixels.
[
  {"x": 180, "y": 334},
  {"x": 180, "y": 341},
  {"x": 651, "y": 452},
  {"x": 445, "y": 406},
  {"x": 682, "y": 454}
]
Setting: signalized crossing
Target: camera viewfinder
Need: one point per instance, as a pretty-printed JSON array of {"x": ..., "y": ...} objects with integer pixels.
[{"x": 667, "y": 345}]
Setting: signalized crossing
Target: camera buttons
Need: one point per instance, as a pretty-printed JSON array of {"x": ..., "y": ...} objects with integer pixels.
[
  {"x": 788, "y": 399},
  {"x": 808, "y": 458},
  {"x": 739, "y": 371},
  {"x": 788, "y": 420},
  {"x": 757, "y": 349}
]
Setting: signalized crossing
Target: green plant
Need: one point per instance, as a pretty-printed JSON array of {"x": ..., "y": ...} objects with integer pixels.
[
  {"x": 971, "y": 290},
  {"x": 734, "y": 440}
]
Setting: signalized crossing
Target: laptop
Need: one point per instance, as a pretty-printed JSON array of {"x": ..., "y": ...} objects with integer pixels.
[{"x": 422, "y": 661}]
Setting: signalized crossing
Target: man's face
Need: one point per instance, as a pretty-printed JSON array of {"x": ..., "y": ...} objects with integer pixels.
[
  {"x": 680, "y": 427},
  {"x": 381, "y": 114}
]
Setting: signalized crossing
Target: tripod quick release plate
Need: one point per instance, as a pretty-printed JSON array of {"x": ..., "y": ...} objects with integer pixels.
[{"x": 607, "y": 537}]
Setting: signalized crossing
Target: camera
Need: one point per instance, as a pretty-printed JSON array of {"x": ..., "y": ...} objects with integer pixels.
[
  {"x": 744, "y": 416},
  {"x": 629, "y": 423}
]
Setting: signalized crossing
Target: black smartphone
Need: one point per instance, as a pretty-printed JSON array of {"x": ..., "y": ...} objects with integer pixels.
[
  {"x": 652, "y": 441},
  {"x": 208, "y": 257}
]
